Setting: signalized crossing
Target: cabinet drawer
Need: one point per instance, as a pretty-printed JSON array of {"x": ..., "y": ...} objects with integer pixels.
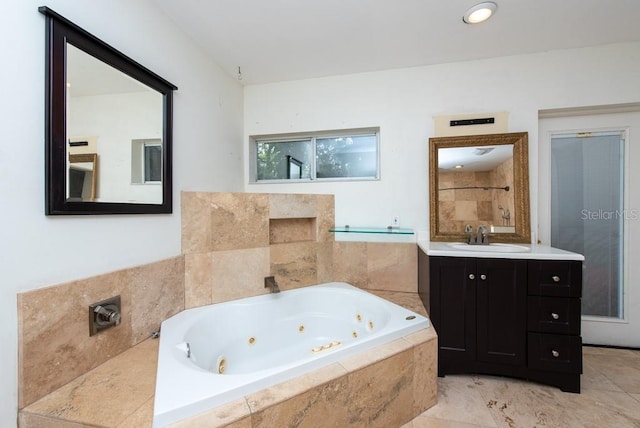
[
  {"x": 560, "y": 315},
  {"x": 558, "y": 278},
  {"x": 553, "y": 352}
]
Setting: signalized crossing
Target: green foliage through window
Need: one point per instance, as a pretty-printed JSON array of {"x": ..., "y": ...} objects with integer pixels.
[{"x": 272, "y": 158}]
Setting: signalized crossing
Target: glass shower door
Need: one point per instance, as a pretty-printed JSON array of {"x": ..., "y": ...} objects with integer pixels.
[{"x": 587, "y": 214}]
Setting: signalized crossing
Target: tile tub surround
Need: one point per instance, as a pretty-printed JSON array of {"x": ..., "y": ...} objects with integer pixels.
[
  {"x": 385, "y": 388},
  {"x": 377, "y": 266},
  {"x": 231, "y": 241},
  {"x": 220, "y": 276},
  {"x": 233, "y": 221},
  {"x": 54, "y": 343}
]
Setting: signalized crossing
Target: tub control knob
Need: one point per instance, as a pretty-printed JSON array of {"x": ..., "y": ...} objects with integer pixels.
[
  {"x": 555, "y": 353},
  {"x": 555, "y": 316},
  {"x": 472, "y": 276},
  {"x": 107, "y": 314},
  {"x": 555, "y": 278}
]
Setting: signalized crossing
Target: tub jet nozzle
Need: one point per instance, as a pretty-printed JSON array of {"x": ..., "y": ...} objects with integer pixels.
[{"x": 186, "y": 348}]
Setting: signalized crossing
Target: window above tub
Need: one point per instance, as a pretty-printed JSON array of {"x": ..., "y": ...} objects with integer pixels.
[{"x": 323, "y": 156}]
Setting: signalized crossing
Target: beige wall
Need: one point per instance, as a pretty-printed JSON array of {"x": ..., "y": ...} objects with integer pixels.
[{"x": 230, "y": 242}]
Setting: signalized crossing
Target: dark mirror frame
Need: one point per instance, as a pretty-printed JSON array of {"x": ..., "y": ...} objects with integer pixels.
[
  {"x": 59, "y": 32},
  {"x": 520, "y": 186}
]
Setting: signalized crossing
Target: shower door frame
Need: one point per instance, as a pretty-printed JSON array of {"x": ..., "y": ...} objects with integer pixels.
[{"x": 599, "y": 330}]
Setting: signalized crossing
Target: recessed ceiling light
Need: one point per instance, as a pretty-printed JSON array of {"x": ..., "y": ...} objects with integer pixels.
[
  {"x": 459, "y": 166},
  {"x": 480, "y": 12}
]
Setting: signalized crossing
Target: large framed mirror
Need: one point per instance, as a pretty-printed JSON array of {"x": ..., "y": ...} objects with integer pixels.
[
  {"x": 480, "y": 180},
  {"x": 103, "y": 103}
]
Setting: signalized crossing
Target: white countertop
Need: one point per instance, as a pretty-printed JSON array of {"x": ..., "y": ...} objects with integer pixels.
[{"x": 502, "y": 251}]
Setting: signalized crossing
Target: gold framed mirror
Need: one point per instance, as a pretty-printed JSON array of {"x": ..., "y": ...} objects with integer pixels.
[{"x": 480, "y": 180}]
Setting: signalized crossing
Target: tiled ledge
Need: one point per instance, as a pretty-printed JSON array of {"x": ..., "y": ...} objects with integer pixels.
[{"x": 119, "y": 393}]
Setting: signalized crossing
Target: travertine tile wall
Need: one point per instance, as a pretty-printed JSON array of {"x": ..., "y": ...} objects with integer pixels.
[
  {"x": 464, "y": 206},
  {"x": 53, "y": 323},
  {"x": 377, "y": 266},
  {"x": 460, "y": 207},
  {"x": 230, "y": 242},
  {"x": 285, "y": 235}
]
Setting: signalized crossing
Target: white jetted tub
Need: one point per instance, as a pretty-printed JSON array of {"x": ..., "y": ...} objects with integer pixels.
[{"x": 218, "y": 353}]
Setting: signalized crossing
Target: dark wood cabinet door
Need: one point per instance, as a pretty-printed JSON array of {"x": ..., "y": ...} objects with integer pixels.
[
  {"x": 501, "y": 287},
  {"x": 453, "y": 311}
]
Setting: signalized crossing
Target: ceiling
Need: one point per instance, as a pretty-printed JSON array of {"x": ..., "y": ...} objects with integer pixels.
[
  {"x": 279, "y": 40},
  {"x": 473, "y": 159}
]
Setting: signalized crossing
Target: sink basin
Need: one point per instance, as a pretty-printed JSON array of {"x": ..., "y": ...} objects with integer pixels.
[{"x": 491, "y": 248}]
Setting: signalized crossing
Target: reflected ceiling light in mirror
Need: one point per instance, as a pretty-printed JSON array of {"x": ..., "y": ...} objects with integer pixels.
[
  {"x": 459, "y": 166},
  {"x": 480, "y": 12}
]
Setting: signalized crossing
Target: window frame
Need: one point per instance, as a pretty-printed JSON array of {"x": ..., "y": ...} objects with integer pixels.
[
  {"x": 139, "y": 163},
  {"x": 254, "y": 140},
  {"x": 145, "y": 165}
]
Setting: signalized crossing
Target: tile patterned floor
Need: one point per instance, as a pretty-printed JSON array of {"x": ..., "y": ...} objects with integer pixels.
[{"x": 610, "y": 398}]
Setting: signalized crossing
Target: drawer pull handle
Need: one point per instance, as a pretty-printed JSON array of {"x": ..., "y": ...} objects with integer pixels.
[
  {"x": 555, "y": 278},
  {"x": 555, "y": 353},
  {"x": 483, "y": 277},
  {"x": 472, "y": 276},
  {"x": 555, "y": 316}
]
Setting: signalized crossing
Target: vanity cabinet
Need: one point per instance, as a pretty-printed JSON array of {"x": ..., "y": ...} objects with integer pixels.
[
  {"x": 478, "y": 307},
  {"x": 554, "y": 351},
  {"x": 511, "y": 317}
]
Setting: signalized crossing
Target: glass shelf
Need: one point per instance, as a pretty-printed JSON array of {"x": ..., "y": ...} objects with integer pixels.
[{"x": 385, "y": 230}]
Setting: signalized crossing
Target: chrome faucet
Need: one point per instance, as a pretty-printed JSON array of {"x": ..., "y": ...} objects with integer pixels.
[
  {"x": 270, "y": 282},
  {"x": 468, "y": 230},
  {"x": 482, "y": 238}
]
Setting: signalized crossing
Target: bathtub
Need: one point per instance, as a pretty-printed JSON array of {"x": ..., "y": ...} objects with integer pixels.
[{"x": 211, "y": 355}]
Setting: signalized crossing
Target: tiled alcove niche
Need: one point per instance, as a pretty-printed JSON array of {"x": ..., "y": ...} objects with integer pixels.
[{"x": 231, "y": 241}]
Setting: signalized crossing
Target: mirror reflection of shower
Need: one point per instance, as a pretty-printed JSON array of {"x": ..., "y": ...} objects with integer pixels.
[{"x": 506, "y": 216}]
